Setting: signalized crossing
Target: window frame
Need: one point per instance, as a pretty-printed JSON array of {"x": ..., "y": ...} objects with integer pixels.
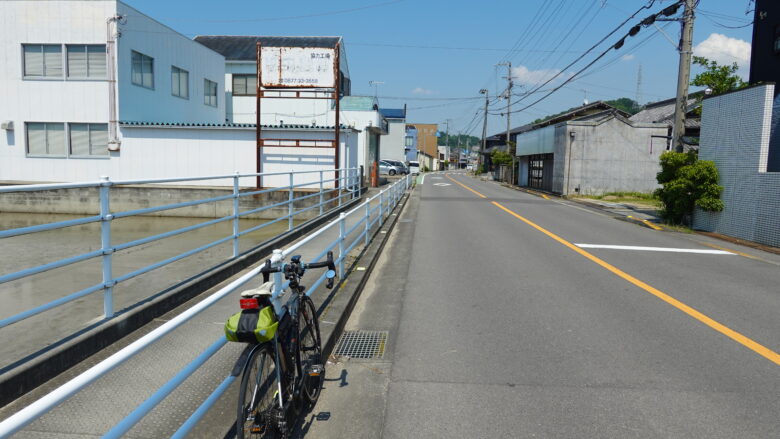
[
  {"x": 86, "y": 55},
  {"x": 245, "y": 76},
  {"x": 206, "y": 96},
  {"x": 69, "y": 142},
  {"x": 180, "y": 70},
  {"x": 132, "y": 80},
  {"x": 46, "y": 136},
  {"x": 43, "y": 77}
]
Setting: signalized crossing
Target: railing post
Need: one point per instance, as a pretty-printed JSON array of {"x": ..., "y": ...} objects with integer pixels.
[
  {"x": 368, "y": 221},
  {"x": 290, "y": 204},
  {"x": 235, "y": 216},
  {"x": 321, "y": 193},
  {"x": 342, "y": 256},
  {"x": 340, "y": 186},
  {"x": 105, "y": 240},
  {"x": 381, "y": 208}
]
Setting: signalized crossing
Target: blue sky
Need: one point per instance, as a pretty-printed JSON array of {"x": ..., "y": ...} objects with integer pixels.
[{"x": 435, "y": 56}]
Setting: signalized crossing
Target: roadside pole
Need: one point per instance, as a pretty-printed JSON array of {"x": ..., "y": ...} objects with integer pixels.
[{"x": 684, "y": 75}]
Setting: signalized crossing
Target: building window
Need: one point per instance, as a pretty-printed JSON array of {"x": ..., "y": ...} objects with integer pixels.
[
  {"x": 180, "y": 82},
  {"x": 46, "y": 139},
  {"x": 42, "y": 60},
  {"x": 409, "y": 141},
  {"x": 87, "y": 61},
  {"x": 210, "y": 93},
  {"x": 88, "y": 139},
  {"x": 142, "y": 70},
  {"x": 244, "y": 85}
]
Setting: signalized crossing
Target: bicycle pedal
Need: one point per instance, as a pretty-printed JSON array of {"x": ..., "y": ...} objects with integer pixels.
[{"x": 316, "y": 370}]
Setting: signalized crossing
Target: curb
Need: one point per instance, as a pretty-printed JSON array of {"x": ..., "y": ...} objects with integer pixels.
[
  {"x": 343, "y": 300},
  {"x": 23, "y": 376}
]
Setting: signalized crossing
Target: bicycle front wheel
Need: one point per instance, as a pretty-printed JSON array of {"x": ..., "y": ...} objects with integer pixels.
[
  {"x": 309, "y": 352},
  {"x": 258, "y": 399}
]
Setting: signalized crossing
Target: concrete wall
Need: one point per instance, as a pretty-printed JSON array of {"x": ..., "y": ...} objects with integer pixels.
[
  {"x": 85, "y": 201},
  {"x": 735, "y": 134},
  {"x": 606, "y": 156}
]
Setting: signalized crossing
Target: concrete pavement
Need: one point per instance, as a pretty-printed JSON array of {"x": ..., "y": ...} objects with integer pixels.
[{"x": 500, "y": 325}]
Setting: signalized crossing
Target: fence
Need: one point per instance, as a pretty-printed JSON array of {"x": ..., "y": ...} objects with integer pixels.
[
  {"x": 367, "y": 218},
  {"x": 347, "y": 188}
]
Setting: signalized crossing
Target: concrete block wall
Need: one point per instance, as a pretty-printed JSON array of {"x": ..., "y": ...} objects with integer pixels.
[{"x": 735, "y": 134}]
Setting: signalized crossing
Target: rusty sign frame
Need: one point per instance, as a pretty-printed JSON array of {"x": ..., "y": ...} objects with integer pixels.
[{"x": 261, "y": 91}]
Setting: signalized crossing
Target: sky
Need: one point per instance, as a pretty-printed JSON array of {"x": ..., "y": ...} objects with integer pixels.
[{"x": 435, "y": 56}]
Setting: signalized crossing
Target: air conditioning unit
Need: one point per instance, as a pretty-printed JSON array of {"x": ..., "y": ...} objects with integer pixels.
[
  {"x": 7, "y": 125},
  {"x": 113, "y": 146}
]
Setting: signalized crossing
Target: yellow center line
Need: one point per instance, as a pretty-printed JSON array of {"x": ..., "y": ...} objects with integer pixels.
[
  {"x": 472, "y": 190},
  {"x": 728, "y": 332}
]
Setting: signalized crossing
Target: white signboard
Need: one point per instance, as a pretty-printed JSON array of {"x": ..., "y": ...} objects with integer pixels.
[{"x": 295, "y": 67}]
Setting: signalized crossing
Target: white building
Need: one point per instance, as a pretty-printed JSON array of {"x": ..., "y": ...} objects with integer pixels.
[
  {"x": 95, "y": 88},
  {"x": 394, "y": 144}
]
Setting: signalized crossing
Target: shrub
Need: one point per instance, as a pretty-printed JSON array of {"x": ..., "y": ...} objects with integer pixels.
[
  {"x": 687, "y": 182},
  {"x": 499, "y": 157}
]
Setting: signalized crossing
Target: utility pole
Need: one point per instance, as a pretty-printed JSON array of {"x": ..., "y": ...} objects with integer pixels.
[
  {"x": 446, "y": 142},
  {"x": 509, "y": 113},
  {"x": 484, "y": 130},
  {"x": 684, "y": 75}
]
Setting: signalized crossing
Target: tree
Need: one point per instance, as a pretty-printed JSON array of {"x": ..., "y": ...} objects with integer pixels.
[
  {"x": 687, "y": 182},
  {"x": 720, "y": 79},
  {"x": 628, "y": 105},
  {"x": 499, "y": 157}
]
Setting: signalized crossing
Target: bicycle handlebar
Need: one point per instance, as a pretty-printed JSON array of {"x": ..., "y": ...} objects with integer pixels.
[{"x": 297, "y": 268}]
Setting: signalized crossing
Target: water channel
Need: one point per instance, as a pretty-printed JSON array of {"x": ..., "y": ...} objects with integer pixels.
[{"x": 29, "y": 336}]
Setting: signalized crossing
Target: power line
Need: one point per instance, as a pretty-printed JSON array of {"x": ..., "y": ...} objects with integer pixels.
[{"x": 647, "y": 6}]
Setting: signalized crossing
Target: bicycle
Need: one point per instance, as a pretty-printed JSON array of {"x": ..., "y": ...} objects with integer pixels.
[{"x": 287, "y": 370}]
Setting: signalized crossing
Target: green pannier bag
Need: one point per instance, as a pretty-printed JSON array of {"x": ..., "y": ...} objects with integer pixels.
[{"x": 252, "y": 325}]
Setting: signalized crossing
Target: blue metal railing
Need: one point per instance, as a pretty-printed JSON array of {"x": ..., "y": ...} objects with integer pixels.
[
  {"x": 386, "y": 200},
  {"x": 347, "y": 187}
]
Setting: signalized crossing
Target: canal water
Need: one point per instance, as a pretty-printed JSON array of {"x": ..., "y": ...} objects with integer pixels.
[{"x": 23, "y": 339}]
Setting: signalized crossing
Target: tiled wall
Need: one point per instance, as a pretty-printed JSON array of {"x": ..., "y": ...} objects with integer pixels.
[{"x": 735, "y": 134}]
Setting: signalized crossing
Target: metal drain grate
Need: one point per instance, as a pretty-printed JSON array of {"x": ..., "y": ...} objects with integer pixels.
[{"x": 362, "y": 344}]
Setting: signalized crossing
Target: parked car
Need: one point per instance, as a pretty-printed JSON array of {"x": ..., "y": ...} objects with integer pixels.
[
  {"x": 414, "y": 167},
  {"x": 398, "y": 164},
  {"x": 388, "y": 168}
]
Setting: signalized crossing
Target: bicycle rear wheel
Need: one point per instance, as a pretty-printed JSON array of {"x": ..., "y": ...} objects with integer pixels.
[
  {"x": 258, "y": 402},
  {"x": 309, "y": 352}
]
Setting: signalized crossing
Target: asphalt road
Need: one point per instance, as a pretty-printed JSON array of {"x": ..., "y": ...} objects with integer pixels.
[{"x": 500, "y": 325}]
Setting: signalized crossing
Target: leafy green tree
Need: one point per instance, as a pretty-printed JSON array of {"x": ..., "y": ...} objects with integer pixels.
[
  {"x": 628, "y": 105},
  {"x": 687, "y": 182},
  {"x": 720, "y": 79},
  {"x": 499, "y": 157}
]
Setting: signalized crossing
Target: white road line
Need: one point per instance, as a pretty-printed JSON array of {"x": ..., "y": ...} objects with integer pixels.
[
  {"x": 656, "y": 249},
  {"x": 423, "y": 179}
]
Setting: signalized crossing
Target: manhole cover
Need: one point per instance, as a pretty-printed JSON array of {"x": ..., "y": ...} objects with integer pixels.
[{"x": 362, "y": 344}]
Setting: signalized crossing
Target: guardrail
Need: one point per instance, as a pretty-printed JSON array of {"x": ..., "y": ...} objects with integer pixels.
[
  {"x": 366, "y": 215},
  {"x": 347, "y": 185}
]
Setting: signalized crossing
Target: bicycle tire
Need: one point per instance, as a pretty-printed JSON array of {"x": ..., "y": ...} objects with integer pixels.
[
  {"x": 309, "y": 351},
  {"x": 258, "y": 405}
]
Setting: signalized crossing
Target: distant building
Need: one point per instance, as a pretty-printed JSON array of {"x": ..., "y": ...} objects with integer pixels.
[
  {"x": 765, "y": 55},
  {"x": 426, "y": 144},
  {"x": 410, "y": 143},
  {"x": 663, "y": 112},
  {"x": 393, "y": 144},
  {"x": 591, "y": 150}
]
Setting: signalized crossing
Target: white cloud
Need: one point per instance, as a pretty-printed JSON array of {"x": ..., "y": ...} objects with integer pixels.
[
  {"x": 725, "y": 50},
  {"x": 422, "y": 91},
  {"x": 628, "y": 57},
  {"x": 526, "y": 76}
]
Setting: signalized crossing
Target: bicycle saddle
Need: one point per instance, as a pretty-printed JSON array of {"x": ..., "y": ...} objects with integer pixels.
[{"x": 265, "y": 289}]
